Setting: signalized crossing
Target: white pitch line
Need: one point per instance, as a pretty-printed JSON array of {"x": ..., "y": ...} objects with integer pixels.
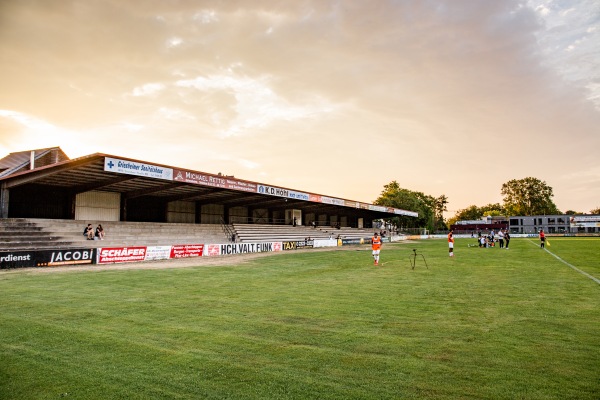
[{"x": 570, "y": 265}]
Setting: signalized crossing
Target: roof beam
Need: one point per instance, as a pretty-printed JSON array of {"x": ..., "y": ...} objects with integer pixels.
[
  {"x": 144, "y": 192},
  {"x": 34, "y": 175},
  {"x": 100, "y": 184}
]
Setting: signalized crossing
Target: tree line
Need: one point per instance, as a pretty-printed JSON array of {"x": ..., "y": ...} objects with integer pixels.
[{"x": 527, "y": 196}]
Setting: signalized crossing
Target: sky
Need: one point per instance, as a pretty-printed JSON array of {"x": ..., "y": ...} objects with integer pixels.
[{"x": 323, "y": 96}]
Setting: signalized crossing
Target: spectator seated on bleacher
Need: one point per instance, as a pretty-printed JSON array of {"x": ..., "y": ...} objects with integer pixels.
[
  {"x": 88, "y": 232},
  {"x": 99, "y": 232}
]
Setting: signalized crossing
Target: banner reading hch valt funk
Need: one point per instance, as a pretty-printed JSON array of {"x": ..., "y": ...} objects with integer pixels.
[{"x": 240, "y": 248}]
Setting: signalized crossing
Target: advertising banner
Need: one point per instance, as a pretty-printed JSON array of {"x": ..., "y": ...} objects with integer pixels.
[
  {"x": 325, "y": 243},
  {"x": 121, "y": 254},
  {"x": 353, "y": 204},
  {"x": 46, "y": 258},
  {"x": 187, "y": 250},
  {"x": 219, "y": 181},
  {"x": 591, "y": 221},
  {"x": 404, "y": 212},
  {"x": 137, "y": 168},
  {"x": 332, "y": 200},
  {"x": 157, "y": 253},
  {"x": 352, "y": 241},
  {"x": 281, "y": 192},
  {"x": 240, "y": 248},
  {"x": 300, "y": 244}
]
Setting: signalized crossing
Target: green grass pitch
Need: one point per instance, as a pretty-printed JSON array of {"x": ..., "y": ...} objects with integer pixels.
[{"x": 486, "y": 324}]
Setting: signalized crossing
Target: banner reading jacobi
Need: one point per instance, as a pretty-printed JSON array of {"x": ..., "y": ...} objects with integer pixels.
[{"x": 46, "y": 258}]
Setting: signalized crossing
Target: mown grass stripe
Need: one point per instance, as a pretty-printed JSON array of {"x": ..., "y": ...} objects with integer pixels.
[{"x": 568, "y": 264}]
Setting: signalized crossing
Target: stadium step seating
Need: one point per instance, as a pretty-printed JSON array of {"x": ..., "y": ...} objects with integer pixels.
[
  {"x": 246, "y": 233},
  {"x": 30, "y": 233},
  {"x": 18, "y": 233},
  {"x": 23, "y": 234}
]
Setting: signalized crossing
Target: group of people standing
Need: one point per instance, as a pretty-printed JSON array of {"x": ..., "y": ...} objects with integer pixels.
[
  {"x": 502, "y": 237},
  {"x": 92, "y": 234}
]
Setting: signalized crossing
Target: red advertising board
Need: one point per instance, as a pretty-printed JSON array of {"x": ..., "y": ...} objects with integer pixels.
[
  {"x": 187, "y": 250},
  {"x": 199, "y": 178},
  {"x": 121, "y": 254}
]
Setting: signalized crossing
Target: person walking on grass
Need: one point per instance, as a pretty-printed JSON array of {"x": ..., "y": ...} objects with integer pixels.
[
  {"x": 450, "y": 244},
  {"x": 542, "y": 239},
  {"x": 376, "y": 247}
]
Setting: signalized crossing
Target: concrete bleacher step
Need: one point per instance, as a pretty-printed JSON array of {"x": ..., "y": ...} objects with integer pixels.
[
  {"x": 264, "y": 232},
  {"x": 45, "y": 233}
]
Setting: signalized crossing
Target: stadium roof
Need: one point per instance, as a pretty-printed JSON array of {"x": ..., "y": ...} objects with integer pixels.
[{"x": 134, "y": 178}]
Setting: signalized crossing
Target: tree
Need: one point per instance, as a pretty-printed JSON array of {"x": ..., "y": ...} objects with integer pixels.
[
  {"x": 571, "y": 212},
  {"x": 440, "y": 207},
  {"x": 395, "y": 196},
  {"x": 472, "y": 213},
  {"x": 528, "y": 196},
  {"x": 492, "y": 209},
  {"x": 466, "y": 214},
  {"x": 595, "y": 211}
]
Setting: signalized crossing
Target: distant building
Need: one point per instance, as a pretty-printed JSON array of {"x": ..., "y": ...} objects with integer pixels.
[
  {"x": 563, "y": 223},
  {"x": 555, "y": 224},
  {"x": 485, "y": 224}
]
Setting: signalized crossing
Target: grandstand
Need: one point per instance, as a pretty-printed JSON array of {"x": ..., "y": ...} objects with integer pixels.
[
  {"x": 46, "y": 199},
  {"x": 29, "y": 233},
  {"x": 45, "y": 184}
]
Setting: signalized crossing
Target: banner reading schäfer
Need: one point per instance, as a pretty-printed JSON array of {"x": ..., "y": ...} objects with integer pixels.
[{"x": 108, "y": 255}]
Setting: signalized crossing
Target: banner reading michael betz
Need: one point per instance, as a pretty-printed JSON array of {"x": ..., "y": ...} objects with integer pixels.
[
  {"x": 240, "y": 248},
  {"x": 121, "y": 254}
]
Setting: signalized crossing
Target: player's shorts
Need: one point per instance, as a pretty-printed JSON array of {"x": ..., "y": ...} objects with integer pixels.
[
  {"x": 375, "y": 252},
  {"x": 450, "y": 245}
]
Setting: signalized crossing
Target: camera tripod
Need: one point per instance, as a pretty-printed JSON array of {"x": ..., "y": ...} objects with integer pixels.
[{"x": 413, "y": 259}]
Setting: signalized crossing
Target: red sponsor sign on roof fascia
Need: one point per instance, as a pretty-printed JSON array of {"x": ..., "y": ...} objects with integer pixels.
[{"x": 224, "y": 182}]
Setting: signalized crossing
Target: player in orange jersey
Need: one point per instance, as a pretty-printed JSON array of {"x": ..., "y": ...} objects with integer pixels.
[
  {"x": 451, "y": 244},
  {"x": 376, "y": 246}
]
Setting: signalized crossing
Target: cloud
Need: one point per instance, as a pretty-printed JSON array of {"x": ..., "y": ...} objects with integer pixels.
[
  {"x": 427, "y": 91},
  {"x": 148, "y": 89},
  {"x": 256, "y": 104}
]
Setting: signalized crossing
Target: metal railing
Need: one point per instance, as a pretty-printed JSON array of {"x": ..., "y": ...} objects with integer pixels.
[{"x": 228, "y": 230}]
